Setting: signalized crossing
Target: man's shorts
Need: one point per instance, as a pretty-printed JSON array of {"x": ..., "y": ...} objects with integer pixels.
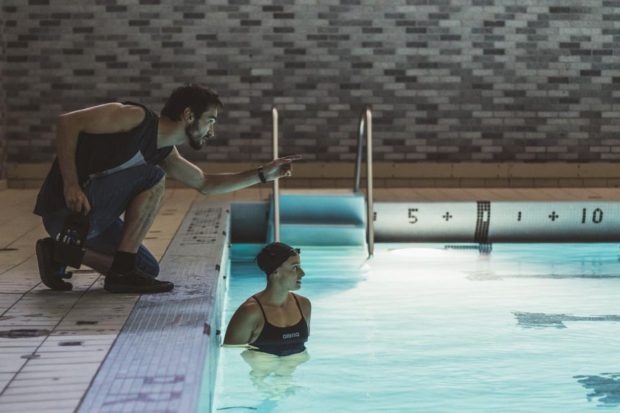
[{"x": 109, "y": 197}]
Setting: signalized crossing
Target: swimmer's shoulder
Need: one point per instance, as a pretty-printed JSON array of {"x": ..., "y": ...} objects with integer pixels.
[
  {"x": 250, "y": 308},
  {"x": 247, "y": 315},
  {"x": 304, "y": 302},
  {"x": 243, "y": 324}
]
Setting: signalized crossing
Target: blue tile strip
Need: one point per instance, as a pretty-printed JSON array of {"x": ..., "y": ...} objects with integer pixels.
[{"x": 157, "y": 362}]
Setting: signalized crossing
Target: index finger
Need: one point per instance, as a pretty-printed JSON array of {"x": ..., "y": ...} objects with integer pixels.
[{"x": 292, "y": 157}]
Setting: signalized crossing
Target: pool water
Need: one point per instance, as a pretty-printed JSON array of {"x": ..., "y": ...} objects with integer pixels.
[{"x": 424, "y": 328}]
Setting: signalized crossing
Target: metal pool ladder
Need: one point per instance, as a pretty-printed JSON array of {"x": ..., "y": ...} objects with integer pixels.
[
  {"x": 364, "y": 136},
  {"x": 276, "y": 182}
]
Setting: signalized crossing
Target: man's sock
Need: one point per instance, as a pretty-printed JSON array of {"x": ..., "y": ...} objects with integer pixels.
[{"x": 124, "y": 262}]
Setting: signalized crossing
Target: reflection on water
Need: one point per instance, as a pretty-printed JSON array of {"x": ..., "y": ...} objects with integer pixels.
[
  {"x": 605, "y": 388},
  {"x": 273, "y": 380},
  {"x": 527, "y": 320},
  {"x": 273, "y": 375}
]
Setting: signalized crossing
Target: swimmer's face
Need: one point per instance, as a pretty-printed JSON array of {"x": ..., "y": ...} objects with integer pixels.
[
  {"x": 290, "y": 273},
  {"x": 200, "y": 130}
]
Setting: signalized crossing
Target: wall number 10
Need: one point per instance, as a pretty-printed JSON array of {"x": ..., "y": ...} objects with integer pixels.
[{"x": 597, "y": 215}]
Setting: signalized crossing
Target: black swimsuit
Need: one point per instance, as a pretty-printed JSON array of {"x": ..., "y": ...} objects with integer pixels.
[{"x": 282, "y": 341}]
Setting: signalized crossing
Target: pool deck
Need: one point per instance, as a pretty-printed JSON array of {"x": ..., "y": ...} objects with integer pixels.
[{"x": 53, "y": 344}]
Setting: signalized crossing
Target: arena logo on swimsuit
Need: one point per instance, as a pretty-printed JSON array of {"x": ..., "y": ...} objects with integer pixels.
[{"x": 290, "y": 335}]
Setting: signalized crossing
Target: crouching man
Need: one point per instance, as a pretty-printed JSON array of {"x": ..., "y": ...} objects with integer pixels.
[{"x": 113, "y": 159}]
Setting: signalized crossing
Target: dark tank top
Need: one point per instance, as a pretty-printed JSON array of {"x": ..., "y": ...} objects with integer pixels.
[
  {"x": 282, "y": 341},
  {"x": 98, "y": 154}
]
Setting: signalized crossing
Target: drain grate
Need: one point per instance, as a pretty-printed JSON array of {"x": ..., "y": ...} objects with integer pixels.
[
  {"x": 483, "y": 248},
  {"x": 24, "y": 333},
  {"x": 460, "y": 247},
  {"x": 69, "y": 343}
]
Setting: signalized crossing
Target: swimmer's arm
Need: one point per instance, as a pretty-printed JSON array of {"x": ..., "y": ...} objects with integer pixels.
[
  {"x": 306, "y": 307},
  {"x": 248, "y": 346},
  {"x": 241, "y": 326}
]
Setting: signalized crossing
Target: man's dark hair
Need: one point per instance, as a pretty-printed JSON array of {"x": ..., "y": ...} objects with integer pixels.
[{"x": 198, "y": 98}]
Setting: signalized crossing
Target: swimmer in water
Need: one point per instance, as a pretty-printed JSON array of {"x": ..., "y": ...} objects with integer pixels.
[{"x": 274, "y": 320}]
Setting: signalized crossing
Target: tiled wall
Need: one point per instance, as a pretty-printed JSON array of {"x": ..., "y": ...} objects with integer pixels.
[{"x": 449, "y": 80}]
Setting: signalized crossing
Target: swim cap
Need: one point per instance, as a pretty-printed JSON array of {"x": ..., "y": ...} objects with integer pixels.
[{"x": 273, "y": 255}]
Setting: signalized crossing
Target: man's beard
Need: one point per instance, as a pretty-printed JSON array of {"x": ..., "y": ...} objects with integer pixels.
[{"x": 195, "y": 143}]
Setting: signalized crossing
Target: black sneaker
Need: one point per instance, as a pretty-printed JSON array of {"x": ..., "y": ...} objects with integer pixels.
[
  {"x": 50, "y": 271},
  {"x": 136, "y": 282}
]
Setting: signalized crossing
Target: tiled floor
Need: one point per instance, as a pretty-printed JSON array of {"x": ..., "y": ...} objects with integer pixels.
[
  {"x": 52, "y": 343},
  {"x": 68, "y": 333}
]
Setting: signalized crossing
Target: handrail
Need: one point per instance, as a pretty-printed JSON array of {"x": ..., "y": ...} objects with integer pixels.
[
  {"x": 365, "y": 129},
  {"x": 360, "y": 147},
  {"x": 276, "y": 182}
]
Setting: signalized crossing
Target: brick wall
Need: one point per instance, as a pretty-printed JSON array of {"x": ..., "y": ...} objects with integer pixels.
[
  {"x": 2, "y": 101},
  {"x": 449, "y": 80}
]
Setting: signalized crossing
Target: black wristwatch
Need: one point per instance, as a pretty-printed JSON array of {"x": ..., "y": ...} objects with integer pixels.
[{"x": 261, "y": 175}]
